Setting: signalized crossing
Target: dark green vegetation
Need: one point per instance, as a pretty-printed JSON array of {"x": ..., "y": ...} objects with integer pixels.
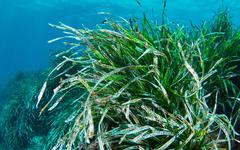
[
  {"x": 140, "y": 85},
  {"x": 19, "y": 124}
]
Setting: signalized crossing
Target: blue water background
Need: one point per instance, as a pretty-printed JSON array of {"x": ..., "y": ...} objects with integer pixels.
[{"x": 24, "y": 29}]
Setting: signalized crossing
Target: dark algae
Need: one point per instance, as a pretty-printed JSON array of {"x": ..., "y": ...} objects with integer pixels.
[{"x": 131, "y": 84}]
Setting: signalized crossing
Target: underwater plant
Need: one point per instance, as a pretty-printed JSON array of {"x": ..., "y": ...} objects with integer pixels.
[
  {"x": 19, "y": 120},
  {"x": 131, "y": 84},
  {"x": 140, "y": 85}
]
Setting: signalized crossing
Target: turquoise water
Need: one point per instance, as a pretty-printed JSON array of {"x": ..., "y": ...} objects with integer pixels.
[{"x": 24, "y": 29}]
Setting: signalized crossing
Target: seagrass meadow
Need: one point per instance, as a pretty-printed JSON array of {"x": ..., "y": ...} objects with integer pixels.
[{"x": 132, "y": 84}]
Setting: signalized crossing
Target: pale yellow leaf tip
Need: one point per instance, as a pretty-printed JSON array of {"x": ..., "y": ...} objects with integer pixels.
[{"x": 41, "y": 93}]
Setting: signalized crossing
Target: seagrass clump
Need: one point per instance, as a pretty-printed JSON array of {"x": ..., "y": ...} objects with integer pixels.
[
  {"x": 135, "y": 84},
  {"x": 19, "y": 122}
]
